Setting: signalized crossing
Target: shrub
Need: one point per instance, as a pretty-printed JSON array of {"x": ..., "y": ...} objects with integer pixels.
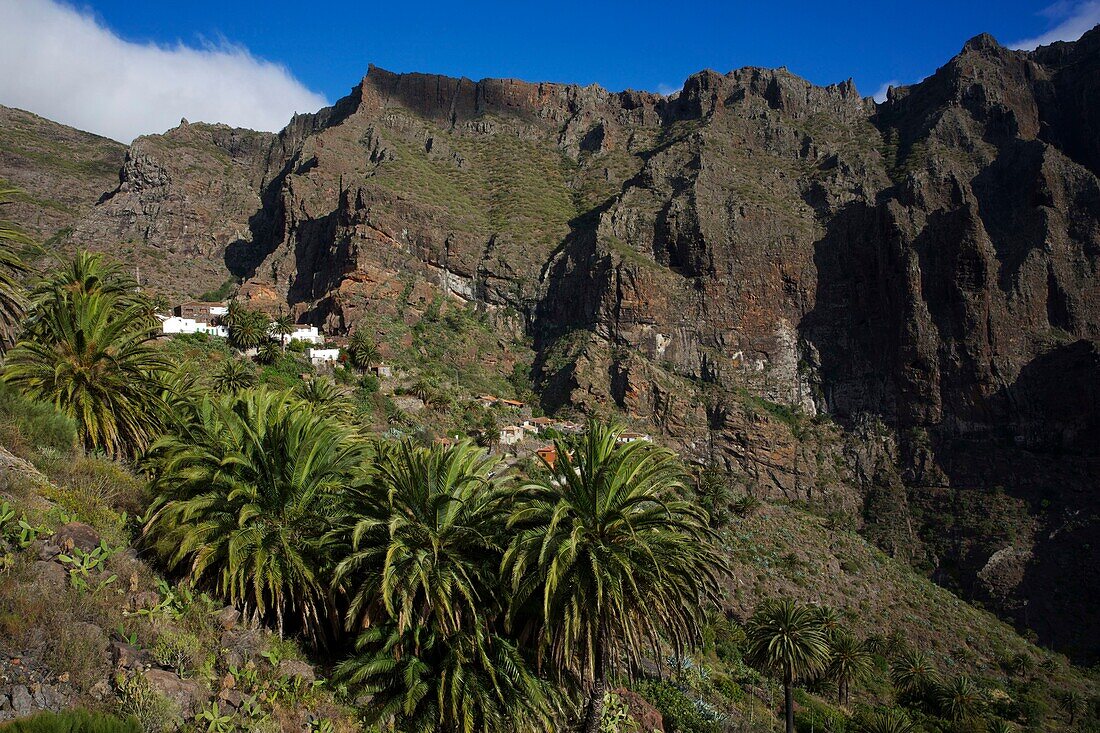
[
  {"x": 369, "y": 384},
  {"x": 37, "y": 425},
  {"x": 680, "y": 712},
  {"x": 72, "y": 721},
  {"x": 745, "y": 505},
  {"x": 154, "y": 712},
  {"x": 815, "y": 715},
  {"x": 178, "y": 651},
  {"x": 80, "y": 650},
  {"x": 97, "y": 491}
]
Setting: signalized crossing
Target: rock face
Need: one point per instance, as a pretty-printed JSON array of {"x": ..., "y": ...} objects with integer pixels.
[{"x": 891, "y": 311}]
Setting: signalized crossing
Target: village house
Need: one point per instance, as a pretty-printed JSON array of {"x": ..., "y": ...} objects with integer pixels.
[
  {"x": 488, "y": 400},
  {"x": 511, "y": 434},
  {"x": 549, "y": 454},
  {"x": 175, "y": 325},
  {"x": 322, "y": 356},
  {"x": 204, "y": 312},
  {"x": 511, "y": 403},
  {"x": 629, "y": 437},
  {"x": 536, "y": 425},
  {"x": 309, "y": 334}
]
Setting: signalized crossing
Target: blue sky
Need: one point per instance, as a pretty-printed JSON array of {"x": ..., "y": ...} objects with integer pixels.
[
  {"x": 325, "y": 46},
  {"x": 619, "y": 45}
]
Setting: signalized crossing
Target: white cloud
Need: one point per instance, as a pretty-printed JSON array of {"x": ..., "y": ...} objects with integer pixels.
[
  {"x": 667, "y": 90},
  {"x": 1071, "y": 19},
  {"x": 64, "y": 65},
  {"x": 880, "y": 95}
]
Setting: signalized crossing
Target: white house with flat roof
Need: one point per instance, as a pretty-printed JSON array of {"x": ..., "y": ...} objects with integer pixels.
[
  {"x": 309, "y": 334},
  {"x": 322, "y": 356},
  {"x": 173, "y": 325}
]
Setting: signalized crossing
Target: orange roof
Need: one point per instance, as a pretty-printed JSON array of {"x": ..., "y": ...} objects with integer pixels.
[{"x": 513, "y": 403}]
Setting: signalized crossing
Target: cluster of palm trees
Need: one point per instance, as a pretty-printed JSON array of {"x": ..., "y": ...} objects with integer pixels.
[
  {"x": 793, "y": 641},
  {"x": 919, "y": 684},
  {"x": 801, "y": 642},
  {"x": 474, "y": 600},
  {"x": 253, "y": 329}
]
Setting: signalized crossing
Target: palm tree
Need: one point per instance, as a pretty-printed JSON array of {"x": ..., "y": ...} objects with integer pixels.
[
  {"x": 829, "y": 619},
  {"x": 245, "y": 498},
  {"x": 473, "y": 680},
  {"x": 1072, "y": 704},
  {"x": 87, "y": 351},
  {"x": 362, "y": 351},
  {"x": 92, "y": 273},
  {"x": 233, "y": 376},
  {"x": 282, "y": 327},
  {"x": 607, "y": 556},
  {"x": 849, "y": 661},
  {"x": 325, "y": 396},
  {"x": 785, "y": 639},
  {"x": 269, "y": 352},
  {"x": 999, "y": 725},
  {"x": 235, "y": 314},
  {"x": 885, "y": 721},
  {"x": 438, "y": 499},
  {"x": 959, "y": 698},
  {"x": 12, "y": 301},
  {"x": 182, "y": 392},
  {"x": 247, "y": 329},
  {"x": 421, "y": 545},
  {"x": 913, "y": 674},
  {"x": 425, "y": 390}
]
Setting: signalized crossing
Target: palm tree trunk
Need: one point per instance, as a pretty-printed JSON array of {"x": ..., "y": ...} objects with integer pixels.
[
  {"x": 788, "y": 698},
  {"x": 594, "y": 714}
]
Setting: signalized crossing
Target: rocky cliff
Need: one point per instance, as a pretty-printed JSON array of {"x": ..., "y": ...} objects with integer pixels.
[{"x": 889, "y": 311}]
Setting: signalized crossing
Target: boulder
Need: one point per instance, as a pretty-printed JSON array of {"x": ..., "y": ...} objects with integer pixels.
[
  {"x": 144, "y": 600},
  {"x": 297, "y": 670},
  {"x": 45, "y": 549},
  {"x": 22, "y": 702},
  {"x": 228, "y": 617},
  {"x": 76, "y": 534},
  {"x": 49, "y": 574},
  {"x": 230, "y": 698},
  {"x": 127, "y": 656},
  {"x": 189, "y": 695}
]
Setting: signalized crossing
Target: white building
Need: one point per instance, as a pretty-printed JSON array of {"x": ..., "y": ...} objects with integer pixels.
[
  {"x": 173, "y": 325},
  {"x": 321, "y": 356},
  {"x": 308, "y": 334},
  {"x": 511, "y": 435}
]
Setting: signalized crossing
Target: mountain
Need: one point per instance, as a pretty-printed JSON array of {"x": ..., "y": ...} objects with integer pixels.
[
  {"x": 887, "y": 312},
  {"x": 61, "y": 171}
]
